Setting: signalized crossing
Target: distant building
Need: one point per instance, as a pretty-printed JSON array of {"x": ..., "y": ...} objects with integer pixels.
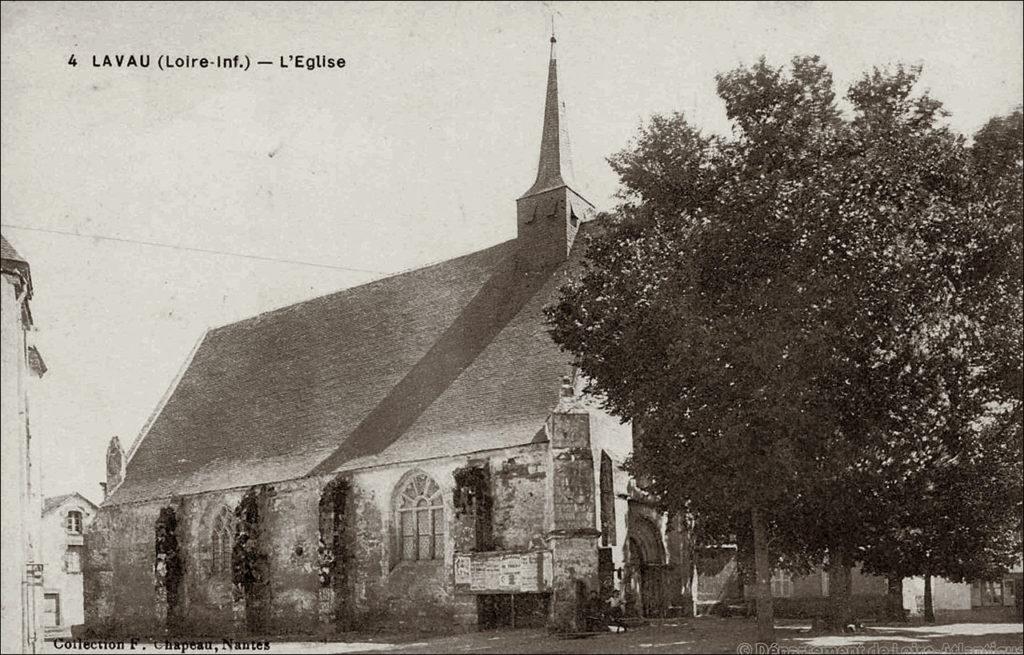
[
  {"x": 989, "y": 598},
  {"x": 1006, "y": 592},
  {"x": 22, "y": 570},
  {"x": 720, "y": 585},
  {"x": 800, "y": 596},
  {"x": 65, "y": 520}
]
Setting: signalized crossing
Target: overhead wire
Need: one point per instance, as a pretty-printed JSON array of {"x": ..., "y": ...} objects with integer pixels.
[{"x": 209, "y": 251}]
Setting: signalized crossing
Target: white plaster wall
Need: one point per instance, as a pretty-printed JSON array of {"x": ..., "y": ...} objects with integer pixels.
[
  {"x": 54, "y": 544},
  {"x": 610, "y": 435},
  {"x": 19, "y": 529},
  {"x": 14, "y": 559},
  {"x": 946, "y": 595}
]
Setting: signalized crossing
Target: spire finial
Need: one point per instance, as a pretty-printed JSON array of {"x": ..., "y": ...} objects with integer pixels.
[
  {"x": 555, "y": 167},
  {"x": 553, "y": 39}
]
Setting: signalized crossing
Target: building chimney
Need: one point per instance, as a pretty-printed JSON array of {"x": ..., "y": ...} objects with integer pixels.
[
  {"x": 566, "y": 390},
  {"x": 115, "y": 465}
]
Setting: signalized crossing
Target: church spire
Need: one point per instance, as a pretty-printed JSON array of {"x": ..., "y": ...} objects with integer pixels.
[
  {"x": 550, "y": 213},
  {"x": 555, "y": 167}
]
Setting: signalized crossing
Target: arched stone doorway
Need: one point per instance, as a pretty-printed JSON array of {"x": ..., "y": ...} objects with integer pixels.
[{"x": 643, "y": 583}]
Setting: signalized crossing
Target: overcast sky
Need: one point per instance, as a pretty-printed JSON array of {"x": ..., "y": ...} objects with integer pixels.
[{"x": 413, "y": 153}]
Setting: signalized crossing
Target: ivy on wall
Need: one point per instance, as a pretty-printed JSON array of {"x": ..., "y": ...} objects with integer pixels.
[
  {"x": 332, "y": 551},
  {"x": 246, "y": 558},
  {"x": 472, "y": 497},
  {"x": 325, "y": 562},
  {"x": 168, "y": 564},
  {"x": 249, "y": 563}
]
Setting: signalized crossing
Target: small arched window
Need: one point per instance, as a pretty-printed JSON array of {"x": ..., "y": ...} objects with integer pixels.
[
  {"x": 73, "y": 522},
  {"x": 420, "y": 519},
  {"x": 222, "y": 542}
]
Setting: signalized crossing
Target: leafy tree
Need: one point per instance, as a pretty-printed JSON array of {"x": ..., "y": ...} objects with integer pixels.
[
  {"x": 954, "y": 499},
  {"x": 753, "y": 301},
  {"x": 959, "y": 516},
  {"x": 951, "y": 352}
]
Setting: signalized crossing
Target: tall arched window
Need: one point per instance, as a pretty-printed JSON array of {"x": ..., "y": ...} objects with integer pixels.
[
  {"x": 222, "y": 541},
  {"x": 420, "y": 519}
]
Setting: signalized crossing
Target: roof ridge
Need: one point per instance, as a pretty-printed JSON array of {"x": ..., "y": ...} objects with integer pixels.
[
  {"x": 53, "y": 502},
  {"x": 357, "y": 287}
]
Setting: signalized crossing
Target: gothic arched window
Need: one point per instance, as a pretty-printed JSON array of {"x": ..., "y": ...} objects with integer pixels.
[
  {"x": 222, "y": 541},
  {"x": 420, "y": 519}
]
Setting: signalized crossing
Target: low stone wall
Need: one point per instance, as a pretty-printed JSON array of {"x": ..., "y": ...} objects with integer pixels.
[
  {"x": 864, "y": 606},
  {"x": 1005, "y": 614}
]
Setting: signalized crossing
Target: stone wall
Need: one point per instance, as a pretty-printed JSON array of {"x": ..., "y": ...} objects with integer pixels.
[
  {"x": 379, "y": 590},
  {"x": 519, "y": 503},
  {"x": 865, "y": 607},
  {"x": 118, "y": 570},
  {"x": 574, "y": 534}
]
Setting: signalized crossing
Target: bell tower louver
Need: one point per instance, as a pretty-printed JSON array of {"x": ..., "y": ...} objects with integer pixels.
[{"x": 549, "y": 213}]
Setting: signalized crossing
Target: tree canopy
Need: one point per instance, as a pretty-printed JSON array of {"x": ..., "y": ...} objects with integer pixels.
[{"x": 805, "y": 314}]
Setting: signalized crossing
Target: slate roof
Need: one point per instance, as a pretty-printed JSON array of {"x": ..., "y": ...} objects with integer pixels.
[
  {"x": 8, "y": 253},
  {"x": 12, "y": 262},
  {"x": 53, "y": 502},
  {"x": 554, "y": 168},
  {"x": 443, "y": 360}
]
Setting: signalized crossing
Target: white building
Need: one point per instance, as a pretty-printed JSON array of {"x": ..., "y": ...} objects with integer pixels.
[
  {"x": 963, "y": 599},
  {"x": 65, "y": 519},
  {"x": 20, "y": 363}
]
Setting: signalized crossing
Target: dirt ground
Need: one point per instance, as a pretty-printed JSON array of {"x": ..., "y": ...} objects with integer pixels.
[
  {"x": 734, "y": 635},
  {"x": 703, "y": 635}
]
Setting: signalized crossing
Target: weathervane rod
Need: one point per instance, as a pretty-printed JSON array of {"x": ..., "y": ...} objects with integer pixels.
[{"x": 553, "y": 39}]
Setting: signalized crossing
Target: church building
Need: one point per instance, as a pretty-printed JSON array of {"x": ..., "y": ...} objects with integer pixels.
[{"x": 411, "y": 453}]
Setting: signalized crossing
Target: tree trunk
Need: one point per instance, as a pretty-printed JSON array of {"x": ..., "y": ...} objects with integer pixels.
[
  {"x": 840, "y": 607},
  {"x": 688, "y": 562},
  {"x": 894, "y": 600},
  {"x": 929, "y": 610},
  {"x": 763, "y": 581},
  {"x": 694, "y": 591}
]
